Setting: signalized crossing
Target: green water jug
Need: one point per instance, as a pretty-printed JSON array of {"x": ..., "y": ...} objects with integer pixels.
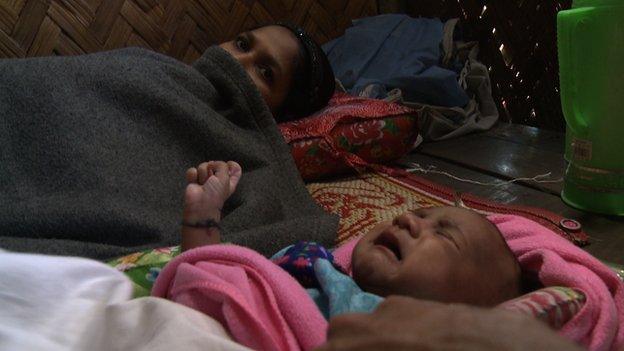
[{"x": 590, "y": 39}]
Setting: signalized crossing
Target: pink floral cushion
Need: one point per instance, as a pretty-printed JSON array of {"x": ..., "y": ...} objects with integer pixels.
[
  {"x": 554, "y": 305},
  {"x": 350, "y": 132}
]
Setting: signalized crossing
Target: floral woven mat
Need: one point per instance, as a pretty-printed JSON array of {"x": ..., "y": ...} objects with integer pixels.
[{"x": 364, "y": 200}]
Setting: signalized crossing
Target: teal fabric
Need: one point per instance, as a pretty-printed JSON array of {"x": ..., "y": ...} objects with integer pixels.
[{"x": 339, "y": 293}]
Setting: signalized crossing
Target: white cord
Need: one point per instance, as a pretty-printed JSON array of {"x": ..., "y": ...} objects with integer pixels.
[{"x": 432, "y": 169}]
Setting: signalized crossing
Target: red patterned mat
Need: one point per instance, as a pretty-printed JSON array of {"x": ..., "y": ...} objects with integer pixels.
[{"x": 364, "y": 200}]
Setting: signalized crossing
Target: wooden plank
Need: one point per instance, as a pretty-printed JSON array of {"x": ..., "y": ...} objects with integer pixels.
[
  {"x": 507, "y": 152},
  {"x": 606, "y": 233},
  {"x": 526, "y": 135}
]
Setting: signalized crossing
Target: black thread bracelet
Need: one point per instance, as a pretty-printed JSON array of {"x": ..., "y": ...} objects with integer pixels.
[{"x": 209, "y": 223}]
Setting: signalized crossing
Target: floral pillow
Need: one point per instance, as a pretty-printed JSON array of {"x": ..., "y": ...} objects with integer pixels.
[
  {"x": 349, "y": 133},
  {"x": 555, "y": 305},
  {"x": 143, "y": 267}
]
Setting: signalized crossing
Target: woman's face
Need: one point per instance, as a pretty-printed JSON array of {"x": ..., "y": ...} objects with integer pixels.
[{"x": 269, "y": 55}]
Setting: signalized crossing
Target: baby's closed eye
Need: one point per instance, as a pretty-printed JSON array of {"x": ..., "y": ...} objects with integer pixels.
[{"x": 444, "y": 228}]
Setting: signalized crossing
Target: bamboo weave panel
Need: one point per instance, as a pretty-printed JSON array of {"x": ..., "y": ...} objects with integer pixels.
[{"x": 179, "y": 28}]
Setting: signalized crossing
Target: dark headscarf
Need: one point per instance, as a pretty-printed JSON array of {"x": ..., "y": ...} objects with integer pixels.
[{"x": 313, "y": 81}]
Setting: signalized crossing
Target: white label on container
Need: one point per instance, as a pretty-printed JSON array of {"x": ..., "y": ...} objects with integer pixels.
[{"x": 581, "y": 150}]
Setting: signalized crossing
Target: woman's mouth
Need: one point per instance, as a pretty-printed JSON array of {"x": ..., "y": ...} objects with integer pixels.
[{"x": 388, "y": 241}]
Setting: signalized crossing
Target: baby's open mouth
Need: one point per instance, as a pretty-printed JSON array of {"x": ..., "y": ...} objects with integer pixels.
[{"x": 390, "y": 242}]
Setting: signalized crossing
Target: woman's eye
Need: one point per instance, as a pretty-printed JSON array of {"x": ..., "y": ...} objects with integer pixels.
[
  {"x": 242, "y": 44},
  {"x": 266, "y": 73}
]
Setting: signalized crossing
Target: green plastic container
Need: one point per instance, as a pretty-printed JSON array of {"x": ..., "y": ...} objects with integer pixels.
[{"x": 591, "y": 68}]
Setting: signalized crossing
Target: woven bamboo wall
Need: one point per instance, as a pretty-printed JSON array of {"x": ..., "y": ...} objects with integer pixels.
[
  {"x": 179, "y": 28},
  {"x": 518, "y": 42},
  {"x": 517, "y": 37}
]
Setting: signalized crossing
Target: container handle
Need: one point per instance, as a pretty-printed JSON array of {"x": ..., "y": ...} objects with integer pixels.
[{"x": 569, "y": 24}]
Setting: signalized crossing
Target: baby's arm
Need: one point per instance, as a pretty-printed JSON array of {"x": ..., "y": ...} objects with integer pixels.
[{"x": 209, "y": 186}]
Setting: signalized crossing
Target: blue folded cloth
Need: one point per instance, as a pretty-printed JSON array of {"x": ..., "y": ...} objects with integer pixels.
[
  {"x": 385, "y": 52},
  {"x": 338, "y": 293},
  {"x": 333, "y": 291}
]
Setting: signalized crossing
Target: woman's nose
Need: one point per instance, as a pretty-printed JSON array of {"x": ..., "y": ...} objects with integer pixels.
[{"x": 244, "y": 58}]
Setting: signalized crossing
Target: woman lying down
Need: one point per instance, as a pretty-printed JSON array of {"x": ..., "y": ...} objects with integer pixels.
[
  {"x": 91, "y": 128},
  {"x": 446, "y": 254}
]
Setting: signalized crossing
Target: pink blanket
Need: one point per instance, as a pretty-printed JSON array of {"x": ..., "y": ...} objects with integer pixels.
[
  {"x": 600, "y": 323},
  {"x": 264, "y": 308},
  {"x": 260, "y": 304}
]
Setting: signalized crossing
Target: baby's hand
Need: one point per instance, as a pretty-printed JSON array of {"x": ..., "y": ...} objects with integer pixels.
[{"x": 210, "y": 185}]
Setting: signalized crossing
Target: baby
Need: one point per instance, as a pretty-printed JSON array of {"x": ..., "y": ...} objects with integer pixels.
[{"x": 446, "y": 254}]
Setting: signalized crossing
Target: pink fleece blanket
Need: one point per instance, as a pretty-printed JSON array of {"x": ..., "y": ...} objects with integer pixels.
[
  {"x": 599, "y": 325},
  {"x": 264, "y": 308},
  {"x": 260, "y": 304}
]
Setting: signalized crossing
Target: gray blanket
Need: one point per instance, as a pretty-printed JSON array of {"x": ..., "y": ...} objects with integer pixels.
[{"x": 94, "y": 148}]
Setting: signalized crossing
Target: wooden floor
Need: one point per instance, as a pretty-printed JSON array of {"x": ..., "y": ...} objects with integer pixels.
[{"x": 513, "y": 151}]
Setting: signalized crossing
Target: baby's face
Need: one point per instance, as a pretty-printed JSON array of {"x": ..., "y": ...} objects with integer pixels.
[{"x": 445, "y": 254}]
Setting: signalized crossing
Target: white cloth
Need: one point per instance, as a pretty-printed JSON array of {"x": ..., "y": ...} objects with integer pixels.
[
  {"x": 152, "y": 323},
  {"x": 68, "y": 303},
  {"x": 441, "y": 123}
]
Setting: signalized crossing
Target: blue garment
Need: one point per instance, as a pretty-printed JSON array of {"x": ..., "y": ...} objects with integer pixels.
[
  {"x": 333, "y": 291},
  {"x": 395, "y": 51},
  {"x": 338, "y": 293},
  {"x": 298, "y": 261}
]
